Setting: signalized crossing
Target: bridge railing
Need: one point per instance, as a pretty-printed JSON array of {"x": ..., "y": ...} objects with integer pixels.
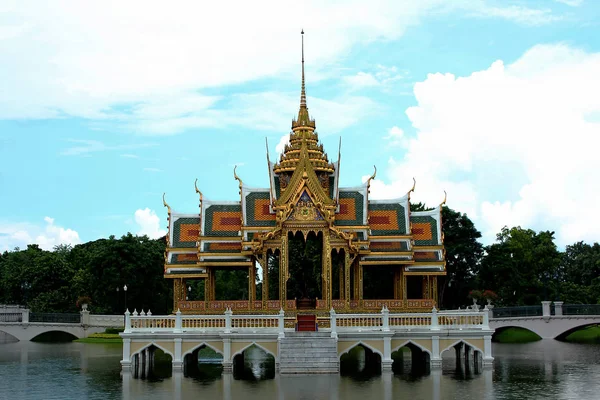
[
  {"x": 385, "y": 321},
  {"x": 11, "y": 317},
  {"x": 515, "y": 312},
  {"x": 581, "y": 309},
  {"x": 55, "y": 318},
  {"x": 226, "y": 323}
]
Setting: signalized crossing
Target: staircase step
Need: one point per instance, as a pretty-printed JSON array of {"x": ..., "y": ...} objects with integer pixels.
[{"x": 308, "y": 353}]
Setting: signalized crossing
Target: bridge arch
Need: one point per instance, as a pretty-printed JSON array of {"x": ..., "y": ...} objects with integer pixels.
[
  {"x": 566, "y": 333},
  {"x": 10, "y": 336},
  {"x": 148, "y": 345},
  {"x": 237, "y": 353},
  {"x": 363, "y": 344},
  {"x": 411, "y": 343},
  {"x": 501, "y": 329},
  {"x": 64, "y": 333},
  {"x": 464, "y": 341},
  {"x": 199, "y": 346}
]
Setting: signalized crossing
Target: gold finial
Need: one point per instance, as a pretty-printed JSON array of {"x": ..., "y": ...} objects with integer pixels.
[
  {"x": 237, "y": 178},
  {"x": 303, "y": 91},
  {"x": 165, "y": 204},
  {"x": 197, "y": 190},
  {"x": 445, "y": 198},
  {"x": 372, "y": 177}
]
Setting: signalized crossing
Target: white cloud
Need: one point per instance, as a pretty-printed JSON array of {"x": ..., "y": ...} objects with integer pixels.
[
  {"x": 571, "y": 3},
  {"x": 285, "y": 139},
  {"x": 512, "y": 145},
  {"x": 361, "y": 80},
  {"x": 86, "y": 148},
  {"x": 149, "y": 223},
  {"x": 519, "y": 14},
  {"x": 21, "y": 234},
  {"x": 395, "y": 137},
  {"x": 146, "y": 65}
]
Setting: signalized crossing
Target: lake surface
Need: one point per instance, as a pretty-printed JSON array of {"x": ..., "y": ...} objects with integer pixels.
[{"x": 546, "y": 369}]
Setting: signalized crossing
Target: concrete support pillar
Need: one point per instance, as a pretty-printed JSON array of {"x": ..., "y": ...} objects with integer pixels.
[
  {"x": 558, "y": 311},
  {"x": 386, "y": 362},
  {"x": 126, "y": 360},
  {"x": 436, "y": 360},
  {"x": 25, "y": 315},
  {"x": 546, "y": 309},
  {"x": 227, "y": 361},
  {"x": 487, "y": 352},
  {"x": 85, "y": 317},
  {"x": 177, "y": 361}
]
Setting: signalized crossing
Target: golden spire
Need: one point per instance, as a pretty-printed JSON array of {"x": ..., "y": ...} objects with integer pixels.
[{"x": 303, "y": 117}]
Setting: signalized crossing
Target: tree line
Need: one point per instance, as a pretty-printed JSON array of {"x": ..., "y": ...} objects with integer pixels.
[{"x": 522, "y": 266}]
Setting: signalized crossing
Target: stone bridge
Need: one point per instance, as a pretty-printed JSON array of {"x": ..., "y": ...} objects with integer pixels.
[
  {"x": 548, "y": 322},
  {"x": 23, "y": 325}
]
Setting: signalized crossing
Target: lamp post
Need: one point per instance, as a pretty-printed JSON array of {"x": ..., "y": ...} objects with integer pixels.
[
  {"x": 118, "y": 301},
  {"x": 125, "y": 290}
]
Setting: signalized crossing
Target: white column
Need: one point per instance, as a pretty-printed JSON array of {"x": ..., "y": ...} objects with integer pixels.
[
  {"x": 435, "y": 325},
  {"x": 386, "y": 363},
  {"x": 25, "y": 316},
  {"x": 126, "y": 361},
  {"x": 178, "y": 328},
  {"x": 558, "y": 311},
  {"x": 85, "y": 317},
  {"x": 486, "y": 318},
  {"x": 385, "y": 318},
  {"x": 281, "y": 323},
  {"x": 546, "y": 309},
  {"x": 127, "y": 322},
  {"x": 333, "y": 323},
  {"x": 177, "y": 361},
  {"x": 227, "y": 361},
  {"x": 228, "y": 313},
  {"x": 487, "y": 351},
  {"x": 436, "y": 359}
]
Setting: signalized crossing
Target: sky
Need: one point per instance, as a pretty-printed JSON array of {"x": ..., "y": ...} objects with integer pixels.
[{"x": 105, "y": 106}]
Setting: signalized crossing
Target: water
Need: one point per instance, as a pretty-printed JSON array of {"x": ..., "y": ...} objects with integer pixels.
[{"x": 541, "y": 370}]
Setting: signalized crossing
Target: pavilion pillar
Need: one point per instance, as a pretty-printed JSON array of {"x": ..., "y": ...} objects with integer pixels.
[
  {"x": 398, "y": 284},
  {"x": 326, "y": 271},
  {"x": 341, "y": 280},
  {"x": 264, "y": 262},
  {"x": 207, "y": 281},
  {"x": 178, "y": 292},
  {"x": 213, "y": 284},
  {"x": 283, "y": 273},
  {"x": 347, "y": 265},
  {"x": 404, "y": 291},
  {"x": 434, "y": 289}
]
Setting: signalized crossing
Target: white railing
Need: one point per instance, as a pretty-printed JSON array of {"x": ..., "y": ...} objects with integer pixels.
[
  {"x": 382, "y": 322},
  {"x": 385, "y": 321},
  {"x": 226, "y": 323}
]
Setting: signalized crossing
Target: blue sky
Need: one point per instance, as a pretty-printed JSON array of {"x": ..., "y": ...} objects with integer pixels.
[{"x": 103, "y": 107}]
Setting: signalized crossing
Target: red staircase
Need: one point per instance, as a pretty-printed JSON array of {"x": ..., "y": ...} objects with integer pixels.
[{"x": 306, "y": 323}]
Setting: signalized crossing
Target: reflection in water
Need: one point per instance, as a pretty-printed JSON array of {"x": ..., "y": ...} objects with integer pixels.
[
  {"x": 254, "y": 364},
  {"x": 541, "y": 370}
]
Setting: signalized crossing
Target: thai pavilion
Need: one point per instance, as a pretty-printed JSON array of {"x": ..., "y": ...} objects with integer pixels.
[{"x": 304, "y": 200}]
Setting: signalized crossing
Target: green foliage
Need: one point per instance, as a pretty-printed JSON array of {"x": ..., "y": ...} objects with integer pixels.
[
  {"x": 305, "y": 266},
  {"x": 113, "y": 331},
  {"x": 521, "y": 266},
  {"x": 516, "y": 335},
  {"x": 590, "y": 334},
  {"x": 463, "y": 258},
  {"x": 51, "y": 281}
]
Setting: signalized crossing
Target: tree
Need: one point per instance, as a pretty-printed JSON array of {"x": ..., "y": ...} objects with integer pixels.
[
  {"x": 463, "y": 258},
  {"x": 521, "y": 266}
]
